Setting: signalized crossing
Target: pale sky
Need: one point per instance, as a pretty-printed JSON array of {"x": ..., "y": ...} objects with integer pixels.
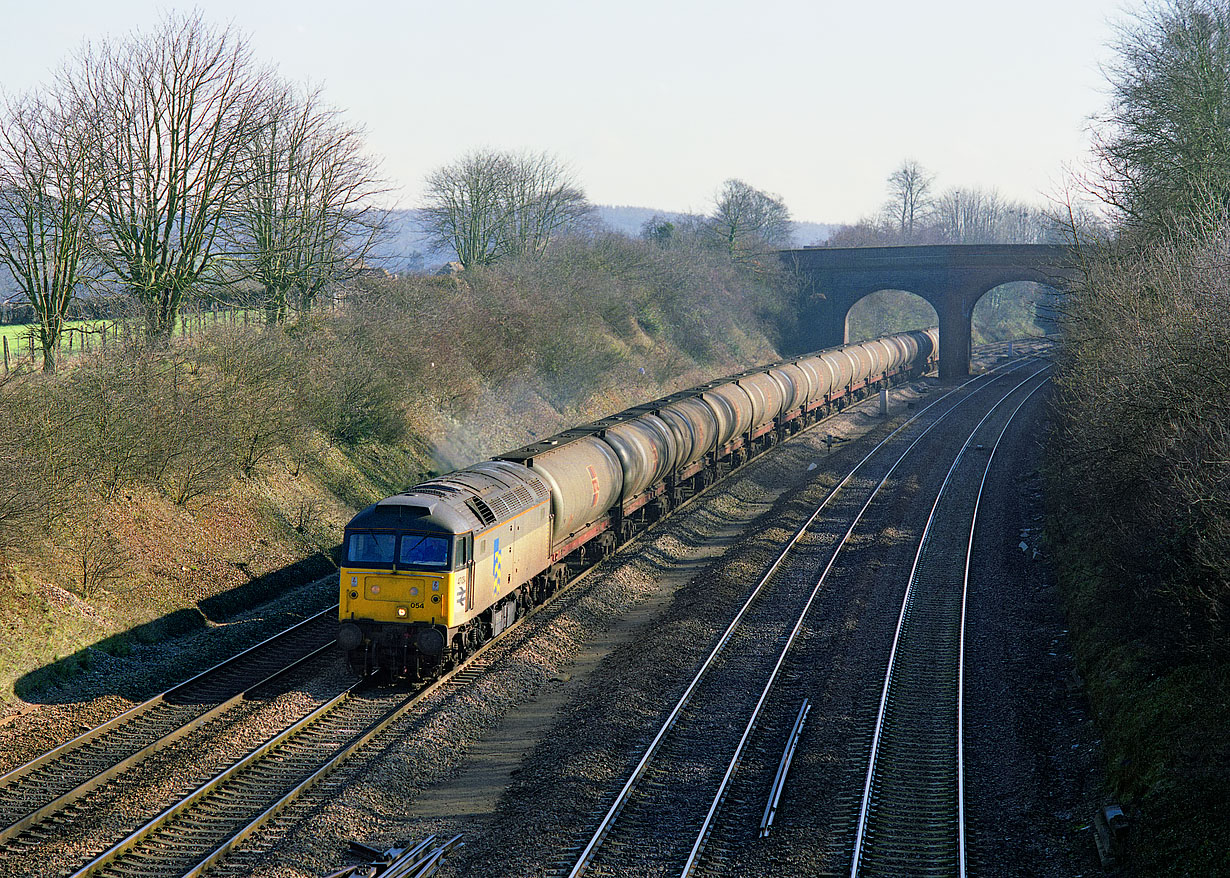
[{"x": 655, "y": 102}]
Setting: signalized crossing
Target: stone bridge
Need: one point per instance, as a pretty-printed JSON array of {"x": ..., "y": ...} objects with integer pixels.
[{"x": 951, "y": 277}]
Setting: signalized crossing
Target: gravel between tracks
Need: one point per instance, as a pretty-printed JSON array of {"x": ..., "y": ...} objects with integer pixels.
[{"x": 108, "y": 814}]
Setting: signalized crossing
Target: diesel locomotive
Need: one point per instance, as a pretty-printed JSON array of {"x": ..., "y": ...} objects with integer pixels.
[{"x": 431, "y": 573}]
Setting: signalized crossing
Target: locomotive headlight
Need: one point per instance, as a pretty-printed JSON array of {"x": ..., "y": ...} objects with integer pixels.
[
  {"x": 413, "y": 591},
  {"x": 401, "y": 612}
]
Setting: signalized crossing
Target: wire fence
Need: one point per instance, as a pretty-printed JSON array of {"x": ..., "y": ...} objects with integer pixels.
[{"x": 22, "y": 344}]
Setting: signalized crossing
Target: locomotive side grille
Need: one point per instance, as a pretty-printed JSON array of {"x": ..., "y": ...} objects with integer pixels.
[
  {"x": 522, "y": 495},
  {"x": 501, "y": 506},
  {"x": 539, "y": 484},
  {"x": 481, "y": 509}
]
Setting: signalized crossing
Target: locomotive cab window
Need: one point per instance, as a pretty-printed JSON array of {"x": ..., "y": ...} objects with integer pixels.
[
  {"x": 370, "y": 548},
  {"x": 422, "y": 550},
  {"x": 464, "y": 550}
]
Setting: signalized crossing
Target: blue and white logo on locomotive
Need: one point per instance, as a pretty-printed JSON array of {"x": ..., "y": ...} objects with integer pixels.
[{"x": 495, "y": 564}]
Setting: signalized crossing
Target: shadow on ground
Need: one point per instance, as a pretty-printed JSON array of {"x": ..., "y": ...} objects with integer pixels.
[{"x": 164, "y": 651}]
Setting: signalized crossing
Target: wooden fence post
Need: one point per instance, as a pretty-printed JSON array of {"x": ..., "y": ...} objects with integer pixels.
[{"x": 6, "y": 355}]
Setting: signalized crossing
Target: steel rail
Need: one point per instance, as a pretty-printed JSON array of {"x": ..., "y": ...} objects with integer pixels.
[
  {"x": 608, "y": 821},
  {"x": 356, "y": 743},
  {"x": 105, "y": 752},
  {"x": 969, "y": 553},
  {"x": 865, "y": 806},
  {"x": 702, "y": 835},
  {"x": 139, "y": 709},
  {"x": 58, "y": 804},
  {"x": 783, "y": 768},
  {"x": 163, "y": 819}
]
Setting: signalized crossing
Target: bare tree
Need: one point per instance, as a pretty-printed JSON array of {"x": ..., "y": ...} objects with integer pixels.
[
  {"x": 747, "y": 221},
  {"x": 1164, "y": 144},
  {"x": 490, "y": 204},
  {"x": 909, "y": 201},
  {"x": 306, "y": 220},
  {"x": 171, "y": 114},
  {"x": 969, "y": 216},
  {"x": 540, "y": 201},
  {"x": 462, "y": 207},
  {"x": 46, "y": 191}
]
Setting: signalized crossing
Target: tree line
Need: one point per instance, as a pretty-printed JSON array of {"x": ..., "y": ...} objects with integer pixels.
[
  {"x": 1139, "y": 455},
  {"x": 1144, "y": 373},
  {"x": 170, "y": 164},
  {"x": 914, "y": 212},
  {"x": 491, "y": 205}
]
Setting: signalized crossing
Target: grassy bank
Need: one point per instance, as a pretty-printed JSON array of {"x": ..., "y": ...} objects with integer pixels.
[{"x": 1139, "y": 462}]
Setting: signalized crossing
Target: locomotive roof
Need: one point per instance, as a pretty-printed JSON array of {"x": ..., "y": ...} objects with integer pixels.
[
  {"x": 458, "y": 502},
  {"x": 413, "y": 511}
]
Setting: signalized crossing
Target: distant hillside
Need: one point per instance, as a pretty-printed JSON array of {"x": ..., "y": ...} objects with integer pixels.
[
  {"x": 629, "y": 220},
  {"x": 406, "y": 247}
]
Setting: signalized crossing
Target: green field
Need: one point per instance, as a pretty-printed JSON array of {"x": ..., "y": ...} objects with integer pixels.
[{"x": 18, "y": 333}]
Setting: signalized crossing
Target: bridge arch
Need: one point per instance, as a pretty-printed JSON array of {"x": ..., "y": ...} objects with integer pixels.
[
  {"x": 1016, "y": 309},
  {"x": 951, "y": 277},
  {"x": 888, "y": 311}
]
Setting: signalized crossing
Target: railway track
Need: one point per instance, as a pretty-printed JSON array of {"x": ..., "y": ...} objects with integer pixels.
[
  {"x": 662, "y": 818},
  {"x": 44, "y": 787},
  {"x": 912, "y": 814},
  {"x": 199, "y": 831}
]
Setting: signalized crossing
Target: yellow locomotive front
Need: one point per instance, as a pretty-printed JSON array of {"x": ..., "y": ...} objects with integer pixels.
[{"x": 414, "y": 596}]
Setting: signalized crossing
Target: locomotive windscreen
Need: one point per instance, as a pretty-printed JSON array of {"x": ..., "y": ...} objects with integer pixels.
[{"x": 411, "y": 551}]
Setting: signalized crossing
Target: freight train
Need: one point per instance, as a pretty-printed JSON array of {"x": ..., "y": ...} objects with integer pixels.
[{"x": 431, "y": 573}]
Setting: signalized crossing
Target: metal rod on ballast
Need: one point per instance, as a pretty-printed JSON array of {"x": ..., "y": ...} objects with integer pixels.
[{"x": 779, "y": 782}]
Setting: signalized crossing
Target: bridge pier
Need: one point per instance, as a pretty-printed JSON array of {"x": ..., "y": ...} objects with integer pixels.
[
  {"x": 828, "y": 328},
  {"x": 956, "y": 327}
]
